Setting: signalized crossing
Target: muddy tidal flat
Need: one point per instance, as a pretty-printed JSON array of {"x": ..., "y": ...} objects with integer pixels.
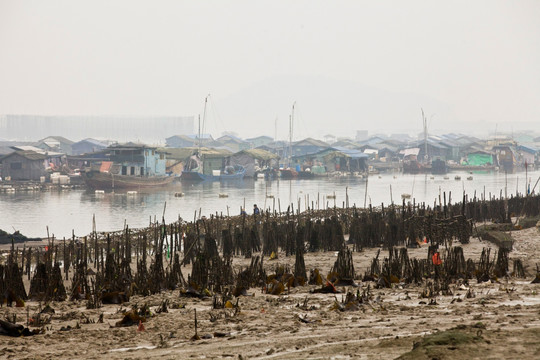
[{"x": 497, "y": 319}]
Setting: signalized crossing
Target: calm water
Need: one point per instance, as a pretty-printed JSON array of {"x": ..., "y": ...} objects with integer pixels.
[{"x": 67, "y": 211}]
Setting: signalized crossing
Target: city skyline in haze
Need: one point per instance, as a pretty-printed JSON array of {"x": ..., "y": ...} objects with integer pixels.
[{"x": 347, "y": 65}]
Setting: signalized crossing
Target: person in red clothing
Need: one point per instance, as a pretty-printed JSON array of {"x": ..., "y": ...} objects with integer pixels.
[{"x": 436, "y": 258}]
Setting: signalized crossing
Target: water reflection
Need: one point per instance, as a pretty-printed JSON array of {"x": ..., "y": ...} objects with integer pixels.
[{"x": 64, "y": 211}]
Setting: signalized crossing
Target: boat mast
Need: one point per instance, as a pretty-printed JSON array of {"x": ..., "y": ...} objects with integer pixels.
[
  {"x": 204, "y": 119},
  {"x": 425, "y": 137},
  {"x": 291, "y": 120},
  {"x": 199, "y": 142}
]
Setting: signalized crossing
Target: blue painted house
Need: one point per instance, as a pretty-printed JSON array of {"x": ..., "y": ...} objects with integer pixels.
[
  {"x": 308, "y": 146},
  {"x": 138, "y": 159}
]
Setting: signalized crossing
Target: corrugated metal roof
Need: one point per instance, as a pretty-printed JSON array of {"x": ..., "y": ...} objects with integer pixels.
[
  {"x": 259, "y": 154},
  {"x": 91, "y": 141},
  {"x": 529, "y": 148},
  {"x": 352, "y": 153},
  {"x": 260, "y": 138},
  {"x": 131, "y": 146},
  {"x": 231, "y": 138},
  {"x": 311, "y": 141},
  {"x": 60, "y": 139},
  {"x": 183, "y": 153},
  {"x": 30, "y": 155},
  {"x": 30, "y": 148}
]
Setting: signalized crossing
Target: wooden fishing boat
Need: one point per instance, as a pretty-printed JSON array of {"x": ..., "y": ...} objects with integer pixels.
[
  {"x": 108, "y": 180},
  {"x": 130, "y": 166},
  {"x": 287, "y": 174}
]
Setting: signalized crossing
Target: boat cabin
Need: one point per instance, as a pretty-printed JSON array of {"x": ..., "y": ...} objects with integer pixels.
[{"x": 137, "y": 160}]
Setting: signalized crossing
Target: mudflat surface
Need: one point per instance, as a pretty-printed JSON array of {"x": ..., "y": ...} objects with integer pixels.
[{"x": 499, "y": 319}]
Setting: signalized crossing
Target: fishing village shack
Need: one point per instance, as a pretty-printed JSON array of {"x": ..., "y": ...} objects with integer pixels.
[
  {"x": 181, "y": 141},
  {"x": 386, "y": 152},
  {"x": 383, "y": 156},
  {"x": 332, "y": 159},
  {"x": 346, "y": 160},
  {"x": 176, "y": 159},
  {"x": 255, "y": 160},
  {"x": 459, "y": 146},
  {"x": 259, "y": 141},
  {"x": 280, "y": 148},
  {"x": 346, "y": 143},
  {"x": 480, "y": 158},
  {"x": 507, "y": 157},
  {"x": 315, "y": 163},
  {"x": 28, "y": 165},
  {"x": 87, "y": 146},
  {"x": 230, "y": 142},
  {"x": 57, "y": 144},
  {"x": 435, "y": 149},
  {"x": 528, "y": 154},
  {"x": 372, "y": 140},
  {"x": 452, "y": 149},
  {"x": 207, "y": 161},
  {"x": 308, "y": 146}
]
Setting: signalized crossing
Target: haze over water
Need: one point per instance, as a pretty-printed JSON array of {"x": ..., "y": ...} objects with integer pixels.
[{"x": 67, "y": 211}]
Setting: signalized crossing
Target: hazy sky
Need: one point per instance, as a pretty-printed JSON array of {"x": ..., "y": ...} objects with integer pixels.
[{"x": 349, "y": 65}]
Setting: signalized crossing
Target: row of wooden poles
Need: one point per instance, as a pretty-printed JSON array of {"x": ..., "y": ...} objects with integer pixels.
[{"x": 101, "y": 263}]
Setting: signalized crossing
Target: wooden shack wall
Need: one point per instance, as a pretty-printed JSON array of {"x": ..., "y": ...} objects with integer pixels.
[{"x": 30, "y": 169}]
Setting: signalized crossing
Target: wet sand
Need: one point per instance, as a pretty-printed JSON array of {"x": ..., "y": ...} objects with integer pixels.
[{"x": 501, "y": 320}]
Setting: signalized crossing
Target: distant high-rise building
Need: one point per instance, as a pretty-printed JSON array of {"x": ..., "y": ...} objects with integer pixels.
[{"x": 147, "y": 129}]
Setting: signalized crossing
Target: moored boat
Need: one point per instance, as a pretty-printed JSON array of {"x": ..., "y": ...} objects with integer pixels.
[
  {"x": 287, "y": 174},
  {"x": 107, "y": 180},
  {"x": 130, "y": 166},
  {"x": 439, "y": 167}
]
